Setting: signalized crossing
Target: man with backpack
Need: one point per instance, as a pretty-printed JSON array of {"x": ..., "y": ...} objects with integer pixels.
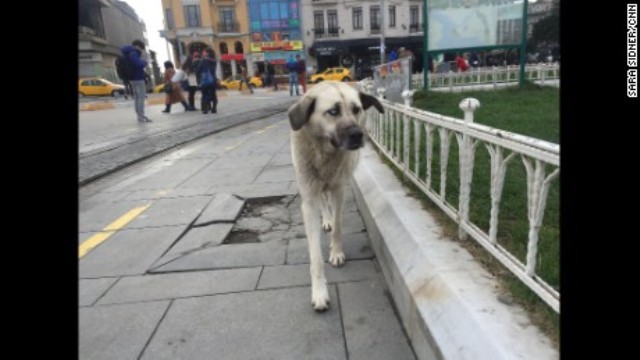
[{"x": 131, "y": 69}]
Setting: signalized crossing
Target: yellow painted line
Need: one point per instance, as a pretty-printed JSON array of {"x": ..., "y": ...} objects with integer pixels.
[
  {"x": 110, "y": 229},
  {"x": 265, "y": 129}
]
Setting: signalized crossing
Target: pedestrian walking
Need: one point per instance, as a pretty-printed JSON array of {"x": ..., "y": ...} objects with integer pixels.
[
  {"x": 138, "y": 59},
  {"x": 244, "y": 79},
  {"x": 292, "y": 66},
  {"x": 192, "y": 81},
  {"x": 206, "y": 75},
  {"x": 302, "y": 72},
  {"x": 271, "y": 75},
  {"x": 172, "y": 87}
]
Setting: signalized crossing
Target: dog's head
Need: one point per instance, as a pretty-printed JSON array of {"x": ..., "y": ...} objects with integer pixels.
[{"x": 331, "y": 111}]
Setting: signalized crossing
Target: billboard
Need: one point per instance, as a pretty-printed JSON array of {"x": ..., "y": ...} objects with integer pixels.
[
  {"x": 394, "y": 77},
  {"x": 474, "y": 23}
]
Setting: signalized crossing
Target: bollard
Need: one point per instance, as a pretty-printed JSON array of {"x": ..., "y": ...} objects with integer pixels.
[{"x": 381, "y": 92}]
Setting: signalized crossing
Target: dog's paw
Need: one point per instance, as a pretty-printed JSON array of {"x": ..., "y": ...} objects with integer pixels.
[
  {"x": 326, "y": 225},
  {"x": 320, "y": 298},
  {"x": 336, "y": 258}
]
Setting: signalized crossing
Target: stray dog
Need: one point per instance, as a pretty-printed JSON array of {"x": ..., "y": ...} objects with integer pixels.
[{"x": 325, "y": 138}]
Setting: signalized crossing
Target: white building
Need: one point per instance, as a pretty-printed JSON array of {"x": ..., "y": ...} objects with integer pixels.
[{"x": 348, "y": 33}]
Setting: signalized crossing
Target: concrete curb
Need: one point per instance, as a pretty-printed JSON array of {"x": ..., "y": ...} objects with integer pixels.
[{"x": 447, "y": 302}]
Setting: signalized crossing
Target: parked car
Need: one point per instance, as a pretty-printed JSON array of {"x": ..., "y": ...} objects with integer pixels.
[
  {"x": 99, "y": 87},
  {"x": 338, "y": 73},
  {"x": 233, "y": 82}
]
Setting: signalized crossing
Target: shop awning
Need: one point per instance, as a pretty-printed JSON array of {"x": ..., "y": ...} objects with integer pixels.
[{"x": 327, "y": 48}]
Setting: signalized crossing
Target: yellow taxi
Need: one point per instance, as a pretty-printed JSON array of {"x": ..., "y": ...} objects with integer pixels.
[
  {"x": 337, "y": 73},
  {"x": 158, "y": 88},
  {"x": 98, "y": 87},
  {"x": 233, "y": 83}
]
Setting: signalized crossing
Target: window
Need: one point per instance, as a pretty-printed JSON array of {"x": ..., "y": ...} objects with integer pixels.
[
  {"x": 223, "y": 48},
  {"x": 332, "y": 19},
  {"x": 374, "y": 16},
  {"x": 318, "y": 22},
  {"x": 192, "y": 14},
  {"x": 415, "y": 15},
  {"x": 392, "y": 16},
  {"x": 168, "y": 15},
  {"x": 357, "y": 18},
  {"x": 226, "y": 20}
]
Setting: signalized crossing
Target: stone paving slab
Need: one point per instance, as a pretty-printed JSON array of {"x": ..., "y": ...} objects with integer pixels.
[
  {"x": 355, "y": 247},
  {"x": 128, "y": 252},
  {"x": 211, "y": 176},
  {"x": 298, "y": 275},
  {"x": 269, "y": 324},
  {"x": 166, "y": 193},
  {"x": 174, "y": 211},
  {"x": 281, "y": 159},
  {"x": 98, "y": 217},
  {"x": 185, "y": 284},
  {"x": 223, "y": 207},
  {"x": 276, "y": 174},
  {"x": 119, "y": 331},
  {"x": 228, "y": 256},
  {"x": 89, "y": 290},
  {"x": 257, "y": 190},
  {"x": 371, "y": 328},
  {"x": 197, "y": 238},
  {"x": 171, "y": 175},
  {"x": 241, "y": 161}
]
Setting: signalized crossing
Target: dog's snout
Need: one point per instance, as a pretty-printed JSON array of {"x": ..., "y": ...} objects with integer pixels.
[{"x": 354, "y": 136}]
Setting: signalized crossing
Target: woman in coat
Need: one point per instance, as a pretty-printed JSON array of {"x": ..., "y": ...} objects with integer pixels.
[{"x": 175, "y": 95}]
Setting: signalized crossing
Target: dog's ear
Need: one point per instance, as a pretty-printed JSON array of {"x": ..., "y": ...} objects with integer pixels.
[
  {"x": 368, "y": 101},
  {"x": 300, "y": 112}
]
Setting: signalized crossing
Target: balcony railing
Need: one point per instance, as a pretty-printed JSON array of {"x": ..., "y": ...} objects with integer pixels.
[
  {"x": 375, "y": 29},
  {"x": 415, "y": 28},
  {"x": 229, "y": 27}
]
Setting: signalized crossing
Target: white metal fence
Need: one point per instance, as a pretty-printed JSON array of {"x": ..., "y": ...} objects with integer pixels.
[
  {"x": 391, "y": 134},
  {"x": 540, "y": 73}
]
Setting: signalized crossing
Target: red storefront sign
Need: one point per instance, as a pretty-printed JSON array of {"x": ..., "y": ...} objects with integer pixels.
[{"x": 229, "y": 57}]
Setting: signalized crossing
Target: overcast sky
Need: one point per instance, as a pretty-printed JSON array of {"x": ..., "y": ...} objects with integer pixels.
[{"x": 150, "y": 11}]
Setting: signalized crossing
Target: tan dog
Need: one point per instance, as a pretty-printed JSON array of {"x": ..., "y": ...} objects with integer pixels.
[{"x": 326, "y": 134}]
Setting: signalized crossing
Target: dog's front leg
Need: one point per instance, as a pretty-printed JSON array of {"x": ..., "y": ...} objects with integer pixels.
[
  {"x": 311, "y": 215},
  {"x": 336, "y": 199}
]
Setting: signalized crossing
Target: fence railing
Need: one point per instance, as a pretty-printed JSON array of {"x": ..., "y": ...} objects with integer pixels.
[
  {"x": 406, "y": 136},
  {"x": 488, "y": 75}
]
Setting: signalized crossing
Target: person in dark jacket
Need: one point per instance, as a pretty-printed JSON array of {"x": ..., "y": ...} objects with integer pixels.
[
  {"x": 139, "y": 58},
  {"x": 192, "y": 82},
  {"x": 271, "y": 75},
  {"x": 206, "y": 75}
]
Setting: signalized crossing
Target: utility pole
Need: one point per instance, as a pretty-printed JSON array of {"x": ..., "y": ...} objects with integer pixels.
[{"x": 381, "y": 32}]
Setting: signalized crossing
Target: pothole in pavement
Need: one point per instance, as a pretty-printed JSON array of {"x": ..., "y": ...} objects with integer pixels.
[{"x": 266, "y": 219}]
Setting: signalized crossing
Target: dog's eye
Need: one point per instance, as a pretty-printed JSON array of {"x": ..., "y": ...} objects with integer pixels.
[
  {"x": 334, "y": 111},
  {"x": 356, "y": 110}
]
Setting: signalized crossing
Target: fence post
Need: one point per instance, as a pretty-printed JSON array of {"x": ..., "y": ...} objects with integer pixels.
[
  {"x": 466, "y": 150},
  {"x": 407, "y": 95}
]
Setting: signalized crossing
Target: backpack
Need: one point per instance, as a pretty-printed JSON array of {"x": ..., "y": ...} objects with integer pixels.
[{"x": 124, "y": 68}]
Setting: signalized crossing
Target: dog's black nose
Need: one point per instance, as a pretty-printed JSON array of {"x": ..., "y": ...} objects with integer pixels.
[{"x": 354, "y": 134}]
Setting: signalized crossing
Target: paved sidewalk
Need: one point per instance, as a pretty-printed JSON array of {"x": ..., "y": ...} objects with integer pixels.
[{"x": 214, "y": 262}]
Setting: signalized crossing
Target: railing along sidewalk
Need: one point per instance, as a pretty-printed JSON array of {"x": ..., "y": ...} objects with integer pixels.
[
  {"x": 502, "y": 146},
  {"x": 488, "y": 75}
]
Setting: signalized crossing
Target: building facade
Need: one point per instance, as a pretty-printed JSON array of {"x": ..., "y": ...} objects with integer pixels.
[
  {"x": 222, "y": 25},
  {"x": 276, "y": 33},
  {"x": 104, "y": 27},
  {"x": 350, "y": 33}
]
